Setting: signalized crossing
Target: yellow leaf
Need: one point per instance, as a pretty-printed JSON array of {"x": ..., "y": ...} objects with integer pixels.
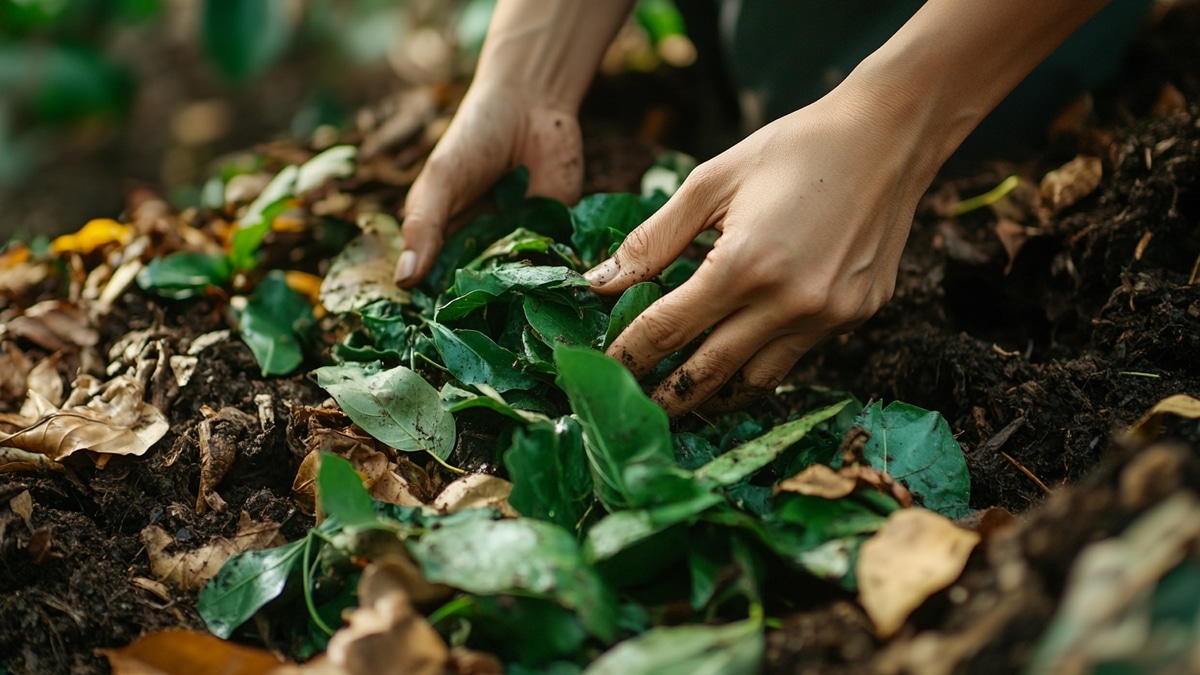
[
  {"x": 916, "y": 554},
  {"x": 93, "y": 235},
  {"x": 308, "y": 285},
  {"x": 176, "y": 652}
]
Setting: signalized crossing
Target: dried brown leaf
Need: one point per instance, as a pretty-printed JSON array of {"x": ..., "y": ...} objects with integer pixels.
[
  {"x": 476, "y": 491},
  {"x": 916, "y": 554},
  {"x": 46, "y": 381},
  {"x": 822, "y": 481},
  {"x": 219, "y": 437},
  {"x": 22, "y": 505},
  {"x": 1071, "y": 182},
  {"x": 364, "y": 271},
  {"x": 182, "y": 652},
  {"x": 385, "y": 634},
  {"x": 1150, "y": 425},
  {"x": 54, "y": 326},
  {"x": 14, "y": 370},
  {"x": 188, "y": 570}
]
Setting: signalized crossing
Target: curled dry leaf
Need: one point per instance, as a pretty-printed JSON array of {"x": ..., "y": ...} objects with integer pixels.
[
  {"x": 476, "y": 491},
  {"x": 1070, "y": 182},
  {"x": 188, "y": 570},
  {"x": 54, "y": 326},
  {"x": 45, "y": 380},
  {"x": 220, "y": 436},
  {"x": 13, "y": 460},
  {"x": 183, "y": 652},
  {"x": 22, "y": 505},
  {"x": 113, "y": 420},
  {"x": 916, "y": 554},
  {"x": 385, "y": 634},
  {"x": 1150, "y": 425},
  {"x": 14, "y": 371},
  {"x": 822, "y": 481}
]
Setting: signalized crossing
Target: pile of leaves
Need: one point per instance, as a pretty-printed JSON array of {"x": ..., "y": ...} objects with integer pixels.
[{"x": 591, "y": 533}]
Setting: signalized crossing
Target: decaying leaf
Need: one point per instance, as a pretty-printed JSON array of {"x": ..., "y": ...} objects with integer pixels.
[
  {"x": 54, "y": 326},
  {"x": 45, "y": 380},
  {"x": 220, "y": 435},
  {"x": 111, "y": 418},
  {"x": 822, "y": 481},
  {"x": 14, "y": 370},
  {"x": 1070, "y": 182},
  {"x": 364, "y": 271},
  {"x": 17, "y": 272},
  {"x": 385, "y": 634},
  {"x": 183, "y": 652},
  {"x": 476, "y": 491},
  {"x": 1150, "y": 425},
  {"x": 916, "y": 554},
  {"x": 22, "y": 505},
  {"x": 188, "y": 570}
]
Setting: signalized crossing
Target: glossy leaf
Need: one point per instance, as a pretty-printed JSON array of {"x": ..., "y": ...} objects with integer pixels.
[
  {"x": 246, "y": 583},
  {"x": 915, "y": 446},
  {"x": 474, "y": 359},
  {"x": 396, "y": 406},
  {"x": 270, "y": 325},
  {"x": 602, "y": 220},
  {"x": 549, "y": 472},
  {"x": 342, "y": 493},
  {"x": 507, "y": 277},
  {"x": 558, "y": 324},
  {"x": 522, "y": 557},
  {"x": 632, "y": 303}
]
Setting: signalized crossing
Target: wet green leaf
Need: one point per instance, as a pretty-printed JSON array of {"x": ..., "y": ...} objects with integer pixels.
[
  {"x": 474, "y": 359},
  {"x": 549, "y": 473},
  {"x": 342, "y": 493},
  {"x": 271, "y": 324},
  {"x": 520, "y": 240},
  {"x": 632, "y": 303},
  {"x": 456, "y": 399},
  {"x": 507, "y": 277},
  {"x": 558, "y": 324},
  {"x": 915, "y": 446},
  {"x": 618, "y": 531},
  {"x": 732, "y": 649},
  {"x": 396, "y": 406},
  {"x": 246, "y": 583},
  {"x": 621, "y": 425},
  {"x": 523, "y": 557},
  {"x": 184, "y": 274}
]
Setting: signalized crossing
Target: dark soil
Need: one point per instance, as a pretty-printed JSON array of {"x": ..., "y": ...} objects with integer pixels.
[{"x": 1036, "y": 369}]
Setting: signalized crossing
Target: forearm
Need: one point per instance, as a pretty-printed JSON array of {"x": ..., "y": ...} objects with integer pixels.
[
  {"x": 551, "y": 47},
  {"x": 955, "y": 60}
]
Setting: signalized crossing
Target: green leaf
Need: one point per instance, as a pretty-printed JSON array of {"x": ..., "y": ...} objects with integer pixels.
[
  {"x": 621, "y": 425},
  {"x": 396, "y": 406},
  {"x": 746, "y": 460},
  {"x": 384, "y": 322},
  {"x": 732, "y": 649},
  {"x": 455, "y": 399},
  {"x": 463, "y": 245},
  {"x": 474, "y": 359},
  {"x": 558, "y": 324},
  {"x": 547, "y": 217},
  {"x": 463, "y": 305},
  {"x": 245, "y": 583},
  {"x": 602, "y": 220},
  {"x": 915, "y": 446},
  {"x": 632, "y": 303},
  {"x": 530, "y": 631},
  {"x": 184, "y": 274},
  {"x": 519, "y": 240},
  {"x": 821, "y": 536},
  {"x": 522, "y": 277},
  {"x": 269, "y": 325},
  {"x": 619, "y": 531},
  {"x": 549, "y": 473},
  {"x": 523, "y": 557},
  {"x": 335, "y": 162},
  {"x": 343, "y": 495},
  {"x": 244, "y": 37}
]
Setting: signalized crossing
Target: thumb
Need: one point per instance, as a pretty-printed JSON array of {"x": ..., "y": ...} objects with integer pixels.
[
  {"x": 655, "y": 243},
  {"x": 435, "y": 196}
]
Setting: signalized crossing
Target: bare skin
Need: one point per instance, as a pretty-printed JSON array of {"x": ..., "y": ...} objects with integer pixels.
[{"x": 813, "y": 209}]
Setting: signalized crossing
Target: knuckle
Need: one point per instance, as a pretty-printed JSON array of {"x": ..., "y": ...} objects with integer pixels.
[
  {"x": 664, "y": 334},
  {"x": 758, "y": 382}
]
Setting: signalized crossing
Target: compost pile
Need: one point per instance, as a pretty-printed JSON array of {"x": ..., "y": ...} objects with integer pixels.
[{"x": 226, "y": 420}]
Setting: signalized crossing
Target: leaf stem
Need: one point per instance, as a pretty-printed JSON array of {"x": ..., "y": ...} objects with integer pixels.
[
  {"x": 308, "y": 587},
  {"x": 988, "y": 198}
]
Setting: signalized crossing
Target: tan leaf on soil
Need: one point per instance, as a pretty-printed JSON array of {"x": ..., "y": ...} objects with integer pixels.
[
  {"x": 1150, "y": 425},
  {"x": 22, "y": 505},
  {"x": 114, "y": 419},
  {"x": 54, "y": 326},
  {"x": 14, "y": 370},
  {"x": 219, "y": 437},
  {"x": 45, "y": 380},
  {"x": 385, "y": 634},
  {"x": 822, "y": 481},
  {"x": 363, "y": 272},
  {"x": 182, "y": 652},
  {"x": 916, "y": 554},
  {"x": 1071, "y": 182},
  {"x": 476, "y": 491},
  {"x": 188, "y": 570},
  {"x": 386, "y": 480}
]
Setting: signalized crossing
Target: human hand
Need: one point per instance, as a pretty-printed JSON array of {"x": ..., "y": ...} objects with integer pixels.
[
  {"x": 813, "y": 210},
  {"x": 496, "y": 129}
]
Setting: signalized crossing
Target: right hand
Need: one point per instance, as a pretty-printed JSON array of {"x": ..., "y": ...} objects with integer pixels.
[{"x": 497, "y": 128}]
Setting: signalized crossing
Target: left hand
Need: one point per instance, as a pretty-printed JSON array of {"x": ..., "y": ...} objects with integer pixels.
[{"x": 813, "y": 210}]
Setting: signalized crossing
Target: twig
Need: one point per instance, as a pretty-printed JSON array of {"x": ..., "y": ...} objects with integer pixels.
[{"x": 1027, "y": 472}]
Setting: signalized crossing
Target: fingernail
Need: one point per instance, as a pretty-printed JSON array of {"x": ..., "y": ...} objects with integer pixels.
[
  {"x": 406, "y": 266},
  {"x": 603, "y": 273}
]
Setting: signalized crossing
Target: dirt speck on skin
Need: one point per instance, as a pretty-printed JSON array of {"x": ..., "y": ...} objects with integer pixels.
[{"x": 683, "y": 386}]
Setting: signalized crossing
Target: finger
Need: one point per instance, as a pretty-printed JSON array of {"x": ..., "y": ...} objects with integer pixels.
[
  {"x": 761, "y": 374},
  {"x": 658, "y": 241},
  {"x": 672, "y": 322},
  {"x": 437, "y": 195}
]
